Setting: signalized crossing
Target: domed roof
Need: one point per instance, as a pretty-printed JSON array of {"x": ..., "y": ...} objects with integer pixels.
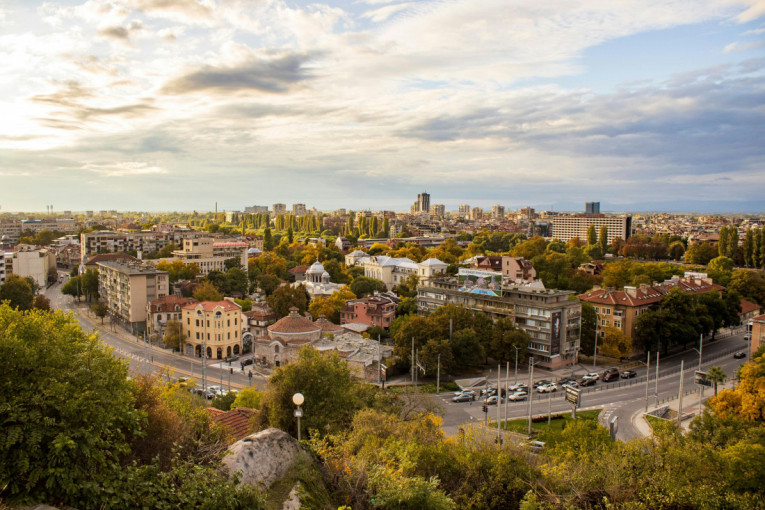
[
  {"x": 316, "y": 268},
  {"x": 325, "y": 274},
  {"x": 294, "y": 323}
]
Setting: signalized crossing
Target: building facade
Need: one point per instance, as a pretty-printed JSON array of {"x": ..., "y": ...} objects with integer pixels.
[
  {"x": 497, "y": 211},
  {"x": 162, "y": 310},
  {"x": 423, "y": 202},
  {"x": 214, "y": 327},
  {"x": 551, "y": 319},
  {"x": 567, "y": 227},
  {"x": 372, "y": 311},
  {"x": 127, "y": 288},
  {"x": 438, "y": 210},
  {"x": 211, "y": 254},
  {"x": 464, "y": 210},
  {"x": 279, "y": 209},
  {"x": 37, "y": 263},
  {"x": 756, "y": 332}
]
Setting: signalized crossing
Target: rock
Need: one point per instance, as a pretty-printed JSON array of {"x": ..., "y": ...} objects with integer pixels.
[
  {"x": 262, "y": 458},
  {"x": 293, "y": 500}
]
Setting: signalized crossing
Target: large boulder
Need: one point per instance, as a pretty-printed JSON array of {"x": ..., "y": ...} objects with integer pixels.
[{"x": 262, "y": 458}]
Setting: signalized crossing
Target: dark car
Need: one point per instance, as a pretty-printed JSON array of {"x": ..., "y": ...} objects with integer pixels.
[
  {"x": 587, "y": 382},
  {"x": 566, "y": 380},
  {"x": 628, "y": 374},
  {"x": 610, "y": 374},
  {"x": 246, "y": 362},
  {"x": 740, "y": 355}
]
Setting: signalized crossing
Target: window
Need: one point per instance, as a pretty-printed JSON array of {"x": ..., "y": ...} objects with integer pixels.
[
  {"x": 617, "y": 324},
  {"x": 228, "y": 322},
  {"x": 197, "y": 322}
]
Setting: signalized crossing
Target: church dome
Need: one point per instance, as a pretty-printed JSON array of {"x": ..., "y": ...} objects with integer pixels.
[{"x": 316, "y": 268}]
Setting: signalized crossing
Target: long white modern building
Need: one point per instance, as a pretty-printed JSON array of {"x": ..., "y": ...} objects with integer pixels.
[{"x": 565, "y": 228}]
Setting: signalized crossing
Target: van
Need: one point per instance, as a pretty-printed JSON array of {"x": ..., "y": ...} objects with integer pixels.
[{"x": 610, "y": 374}]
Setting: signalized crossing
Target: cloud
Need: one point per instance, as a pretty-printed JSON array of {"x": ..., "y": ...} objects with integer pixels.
[
  {"x": 120, "y": 33},
  {"x": 187, "y": 11},
  {"x": 383, "y": 13},
  {"x": 754, "y": 9},
  {"x": 128, "y": 168},
  {"x": 264, "y": 75},
  {"x": 737, "y": 46}
]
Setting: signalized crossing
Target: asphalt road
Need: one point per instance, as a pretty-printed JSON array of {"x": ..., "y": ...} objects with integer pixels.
[
  {"x": 146, "y": 359},
  {"x": 623, "y": 398}
]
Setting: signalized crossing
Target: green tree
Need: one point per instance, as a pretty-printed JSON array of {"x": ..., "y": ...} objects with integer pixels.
[
  {"x": 364, "y": 286},
  {"x": 592, "y": 235},
  {"x": 331, "y": 394},
  {"x": 70, "y": 412},
  {"x": 676, "y": 250},
  {"x": 587, "y": 335},
  {"x": 89, "y": 283},
  {"x": 721, "y": 264},
  {"x": 207, "y": 292},
  {"x": 173, "y": 334},
  {"x": 603, "y": 239},
  {"x": 716, "y": 375},
  {"x": 286, "y": 297},
  {"x": 224, "y": 402},
  {"x": 99, "y": 309},
  {"x": 248, "y": 397},
  {"x": 73, "y": 287},
  {"x": 748, "y": 248},
  {"x": 17, "y": 291},
  {"x": 615, "y": 343},
  {"x": 436, "y": 352},
  {"x": 179, "y": 270},
  {"x": 268, "y": 240},
  {"x": 505, "y": 338},
  {"x": 700, "y": 253}
]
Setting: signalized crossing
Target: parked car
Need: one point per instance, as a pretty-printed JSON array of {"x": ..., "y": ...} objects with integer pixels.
[
  {"x": 592, "y": 375},
  {"x": 536, "y": 446},
  {"x": 610, "y": 374},
  {"x": 519, "y": 387},
  {"x": 740, "y": 355},
  {"x": 470, "y": 393},
  {"x": 463, "y": 397},
  {"x": 491, "y": 401},
  {"x": 517, "y": 396},
  {"x": 587, "y": 382},
  {"x": 628, "y": 374},
  {"x": 570, "y": 384},
  {"x": 547, "y": 388},
  {"x": 566, "y": 380},
  {"x": 246, "y": 362}
]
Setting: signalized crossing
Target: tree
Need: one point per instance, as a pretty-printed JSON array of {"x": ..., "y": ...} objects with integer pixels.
[
  {"x": 330, "y": 306},
  {"x": 505, "y": 337},
  {"x": 615, "y": 343},
  {"x": 716, "y": 375},
  {"x": 73, "y": 287},
  {"x": 700, "y": 253},
  {"x": 70, "y": 413},
  {"x": 18, "y": 292},
  {"x": 41, "y": 302},
  {"x": 248, "y": 397},
  {"x": 224, "y": 402},
  {"x": 603, "y": 239},
  {"x": 587, "y": 335},
  {"x": 721, "y": 264},
  {"x": 436, "y": 352},
  {"x": 179, "y": 270},
  {"x": 286, "y": 297},
  {"x": 676, "y": 250},
  {"x": 268, "y": 240},
  {"x": 89, "y": 284},
  {"x": 330, "y": 392},
  {"x": 207, "y": 292},
  {"x": 173, "y": 334},
  {"x": 364, "y": 286},
  {"x": 592, "y": 235},
  {"x": 99, "y": 309},
  {"x": 245, "y": 303},
  {"x": 745, "y": 402},
  {"x": 406, "y": 306}
]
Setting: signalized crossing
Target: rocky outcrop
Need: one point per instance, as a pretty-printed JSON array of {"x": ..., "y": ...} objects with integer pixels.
[{"x": 262, "y": 458}]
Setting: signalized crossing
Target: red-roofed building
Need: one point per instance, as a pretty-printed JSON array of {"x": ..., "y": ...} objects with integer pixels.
[
  {"x": 372, "y": 311},
  {"x": 621, "y": 308},
  {"x": 749, "y": 311},
  {"x": 213, "y": 325},
  {"x": 756, "y": 333},
  {"x": 236, "y": 421},
  {"x": 161, "y": 310}
]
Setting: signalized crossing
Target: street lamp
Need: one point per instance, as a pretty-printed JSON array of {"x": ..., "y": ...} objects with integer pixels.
[
  {"x": 298, "y": 400},
  {"x": 516, "y": 362}
]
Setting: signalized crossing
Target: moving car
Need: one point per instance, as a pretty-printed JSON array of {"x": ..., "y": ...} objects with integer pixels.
[
  {"x": 463, "y": 397},
  {"x": 519, "y": 387},
  {"x": 740, "y": 355},
  {"x": 592, "y": 375},
  {"x": 517, "y": 396},
  {"x": 491, "y": 401},
  {"x": 570, "y": 384},
  {"x": 587, "y": 382},
  {"x": 566, "y": 380},
  {"x": 628, "y": 374},
  {"x": 611, "y": 374}
]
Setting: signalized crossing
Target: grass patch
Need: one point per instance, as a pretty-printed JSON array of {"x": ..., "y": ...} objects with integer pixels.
[
  {"x": 655, "y": 422},
  {"x": 429, "y": 387},
  {"x": 556, "y": 426}
]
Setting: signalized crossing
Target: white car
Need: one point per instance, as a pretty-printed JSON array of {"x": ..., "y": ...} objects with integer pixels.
[
  {"x": 592, "y": 375},
  {"x": 469, "y": 393},
  {"x": 517, "y": 396},
  {"x": 547, "y": 388}
]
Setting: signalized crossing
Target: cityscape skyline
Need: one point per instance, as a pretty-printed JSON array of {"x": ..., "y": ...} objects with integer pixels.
[{"x": 173, "y": 104}]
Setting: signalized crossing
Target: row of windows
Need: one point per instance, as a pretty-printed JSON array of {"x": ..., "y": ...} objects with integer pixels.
[
  {"x": 217, "y": 323},
  {"x": 218, "y": 337}
]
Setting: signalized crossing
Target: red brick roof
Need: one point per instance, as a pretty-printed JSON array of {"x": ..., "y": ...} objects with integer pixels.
[
  {"x": 209, "y": 306},
  {"x": 748, "y": 307},
  {"x": 294, "y": 323},
  {"x": 299, "y": 269},
  {"x": 236, "y": 421},
  {"x": 105, "y": 257},
  {"x": 327, "y": 326},
  {"x": 168, "y": 303}
]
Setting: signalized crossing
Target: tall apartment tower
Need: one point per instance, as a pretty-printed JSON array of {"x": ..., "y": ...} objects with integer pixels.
[
  {"x": 497, "y": 211},
  {"x": 592, "y": 207},
  {"x": 464, "y": 210},
  {"x": 423, "y": 202},
  {"x": 280, "y": 209}
]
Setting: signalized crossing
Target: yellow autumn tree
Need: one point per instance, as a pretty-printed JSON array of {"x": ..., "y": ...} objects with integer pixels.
[
  {"x": 330, "y": 306},
  {"x": 747, "y": 401}
]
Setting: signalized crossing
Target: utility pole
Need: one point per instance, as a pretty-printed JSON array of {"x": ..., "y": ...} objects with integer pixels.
[
  {"x": 204, "y": 354},
  {"x": 680, "y": 394},
  {"x": 379, "y": 363},
  {"x": 413, "y": 365},
  {"x": 507, "y": 388},
  {"x": 516, "y": 363},
  {"x": 438, "y": 375},
  {"x": 549, "y": 408},
  {"x": 701, "y": 386},
  {"x": 595, "y": 350},
  {"x": 647, "y": 376},
  {"x": 499, "y": 403},
  {"x": 531, "y": 387},
  {"x": 656, "y": 377}
]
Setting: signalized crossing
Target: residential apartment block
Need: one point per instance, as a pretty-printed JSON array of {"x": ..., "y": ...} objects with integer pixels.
[
  {"x": 279, "y": 209},
  {"x": 128, "y": 288},
  {"x": 373, "y": 311},
  {"x": 34, "y": 262},
  {"x": 756, "y": 331},
  {"x": 464, "y": 210},
  {"x": 211, "y": 254},
  {"x": 567, "y": 227},
  {"x": 162, "y": 310},
  {"x": 215, "y": 326},
  {"x": 299, "y": 209},
  {"x": 552, "y": 321},
  {"x": 438, "y": 210},
  {"x": 106, "y": 241}
]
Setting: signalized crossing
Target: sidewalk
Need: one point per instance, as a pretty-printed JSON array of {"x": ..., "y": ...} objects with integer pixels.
[{"x": 690, "y": 409}]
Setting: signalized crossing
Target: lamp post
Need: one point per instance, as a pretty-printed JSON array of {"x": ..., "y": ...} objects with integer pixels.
[
  {"x": 298, "y": 400},
  {"x": 516, "y": 363},
  {"x": 595, "y": 350}
]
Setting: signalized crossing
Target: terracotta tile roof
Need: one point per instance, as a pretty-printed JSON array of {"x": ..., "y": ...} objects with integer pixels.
[
  {"x": 299, "y": 269},
  {"x": 748, "y": 307},
  {"x": 168, "y": 303},
  {"x": 214, "y": 411},
  {"x": 294, "y": 323},
  {"x": 236, "y": 421},
  {"x": 209, "y": 306},
  {"x": 642, "y": 297},
  {"x": 327, "y": 326}
]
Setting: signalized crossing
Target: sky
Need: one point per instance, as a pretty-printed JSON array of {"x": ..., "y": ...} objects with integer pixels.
[{"x": 162, "y": 105}]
